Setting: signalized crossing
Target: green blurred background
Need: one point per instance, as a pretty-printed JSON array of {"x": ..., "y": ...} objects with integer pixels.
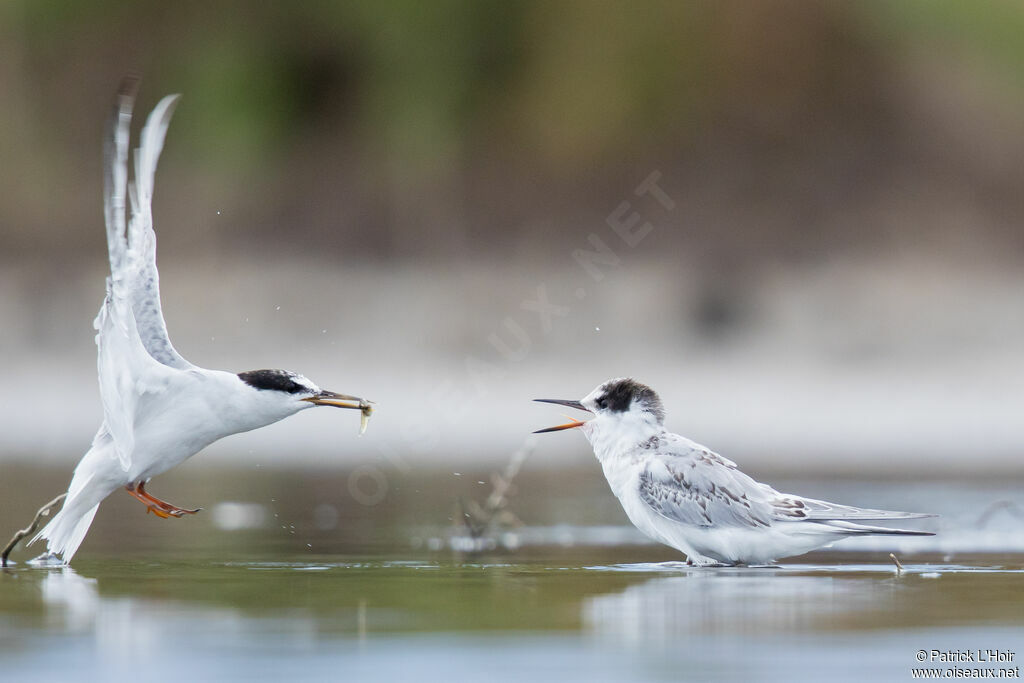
[
  {"x": 380, "y": 195},
  {"x": 369, "y": 192}
]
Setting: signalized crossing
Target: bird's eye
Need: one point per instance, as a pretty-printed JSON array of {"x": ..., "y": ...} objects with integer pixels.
[{"x": 602, "y": 403}]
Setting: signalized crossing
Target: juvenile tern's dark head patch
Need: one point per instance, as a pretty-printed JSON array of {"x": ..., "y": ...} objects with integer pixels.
[
  {"x": 619, "y": 396},
  {"x": 275, "y": 380}
]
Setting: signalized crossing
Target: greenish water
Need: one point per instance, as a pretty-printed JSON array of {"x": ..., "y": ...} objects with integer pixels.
[
  {"x": 547, "y": 616},
  {"x": 284, "y": 577}
]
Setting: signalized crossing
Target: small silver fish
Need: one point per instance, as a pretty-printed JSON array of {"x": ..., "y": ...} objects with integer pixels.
[{"x": 366, "y": 410}]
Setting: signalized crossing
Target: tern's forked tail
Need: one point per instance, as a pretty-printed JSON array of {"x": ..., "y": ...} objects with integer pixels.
[
  {"x": 68, "y": 528},
  {"x": 854, "y": 528},
  {"x": 66, "y": 532}
]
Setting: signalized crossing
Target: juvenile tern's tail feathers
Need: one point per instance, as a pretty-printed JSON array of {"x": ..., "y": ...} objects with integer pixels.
[{"x": 857, "y": 529}]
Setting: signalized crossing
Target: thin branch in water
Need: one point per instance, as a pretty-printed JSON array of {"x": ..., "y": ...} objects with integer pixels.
[
  {"x": 899, "y": 567},
  {"x": 43, "y": 512}
]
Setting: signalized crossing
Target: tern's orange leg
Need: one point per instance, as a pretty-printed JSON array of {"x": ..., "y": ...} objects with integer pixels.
[
  {"x": 151, "y": 506},
  {"x": 155, "y": 505}
]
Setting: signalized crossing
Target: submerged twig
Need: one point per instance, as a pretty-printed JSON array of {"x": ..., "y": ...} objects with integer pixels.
[
  {"x": 899, "y": 567},
  {"x": 43, "y": 512}
]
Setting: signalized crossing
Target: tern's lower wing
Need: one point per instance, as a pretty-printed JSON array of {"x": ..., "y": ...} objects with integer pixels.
[{"x": 126, "y": 370}]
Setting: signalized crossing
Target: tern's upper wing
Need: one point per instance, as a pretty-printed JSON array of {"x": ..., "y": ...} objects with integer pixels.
[
  {"x": 133, "y": 250},
  {"x": 688, "y": 483},
  {"x": 135, "y": 357}
]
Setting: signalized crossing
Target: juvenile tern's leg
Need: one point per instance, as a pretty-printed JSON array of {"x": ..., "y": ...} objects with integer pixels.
[{"x": 155, "y": 505}]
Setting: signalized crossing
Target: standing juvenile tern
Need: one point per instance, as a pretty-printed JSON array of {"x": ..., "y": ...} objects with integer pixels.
[
  {"x": 158, "y": 408},
  {"x": 684, "y": 495}
]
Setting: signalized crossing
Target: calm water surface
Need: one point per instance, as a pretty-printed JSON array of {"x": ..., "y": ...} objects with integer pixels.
[
  {"x": 280, "y": 589},
  {"x": 552, "y": 617}
]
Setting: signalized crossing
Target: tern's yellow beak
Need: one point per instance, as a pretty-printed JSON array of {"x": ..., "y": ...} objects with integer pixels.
[
  {"x": 329, "y": 398},
  {"x": 558, "y": 428}
]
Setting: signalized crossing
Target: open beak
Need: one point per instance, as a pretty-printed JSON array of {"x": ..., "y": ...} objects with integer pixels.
[
  {"x": 569, "y": 425},
  {"x": 329, "y": 398}
]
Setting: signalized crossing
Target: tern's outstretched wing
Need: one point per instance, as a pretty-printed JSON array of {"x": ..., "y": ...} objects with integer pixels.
[
  {"x": 133, "y": 251},
  {"x": 135, "y": 356},
  {"x": 688, "y": 483}
]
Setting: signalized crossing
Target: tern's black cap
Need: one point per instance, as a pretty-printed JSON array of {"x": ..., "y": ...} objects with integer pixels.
[
  {"x": 273, "y": 380},
  {"x": 619, "y": 394}
]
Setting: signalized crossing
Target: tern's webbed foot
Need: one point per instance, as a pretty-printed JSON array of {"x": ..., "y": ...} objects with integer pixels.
[
  {"x": 158, "y": 507},
  {"x": 170, "y": 511}
]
